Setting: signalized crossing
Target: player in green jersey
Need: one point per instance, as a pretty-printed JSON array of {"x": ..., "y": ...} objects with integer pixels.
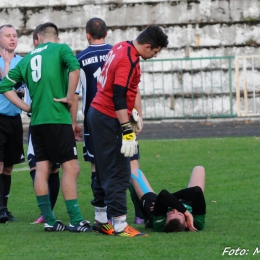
[
  {"x": 45, "y": 72},
  {"x": 173, "y": 212},
  {"x": 54, "y": 178}
]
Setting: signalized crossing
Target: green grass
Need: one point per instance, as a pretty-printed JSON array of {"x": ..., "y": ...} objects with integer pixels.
[{"x": 232, "y": 195}]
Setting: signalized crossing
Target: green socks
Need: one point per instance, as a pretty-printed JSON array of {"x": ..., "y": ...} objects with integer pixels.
[
  {"x": 45, "y": 207},
  {"x": 74, "y": 212},
  {"x": 71, "y": 205}
]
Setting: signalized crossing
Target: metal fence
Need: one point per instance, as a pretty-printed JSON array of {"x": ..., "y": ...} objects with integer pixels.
[
  {"x": 203, "y": 87},
  {"x": 248, "y": 85},
  {"x": 188, "y": 88}
]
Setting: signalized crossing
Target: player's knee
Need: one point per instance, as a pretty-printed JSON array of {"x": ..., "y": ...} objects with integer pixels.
[
  {"x": 198, "y": 190},
  {"x": 163, "y": 193},
  {"x": 199, "y": 168}
]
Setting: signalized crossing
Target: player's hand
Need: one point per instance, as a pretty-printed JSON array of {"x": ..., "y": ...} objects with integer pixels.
[
  {"x": 64, "y": 100},
  {"x": 136, "y": 121},
  {"x": 6, "y": 56},
  {"x": 77, "y": 132},
  {"x": 189, "y": 221},
  {"x": 129, "y": 143}
]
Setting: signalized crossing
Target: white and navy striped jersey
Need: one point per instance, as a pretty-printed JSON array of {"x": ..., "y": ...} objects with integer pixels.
[{"x": 91, "y": 61}]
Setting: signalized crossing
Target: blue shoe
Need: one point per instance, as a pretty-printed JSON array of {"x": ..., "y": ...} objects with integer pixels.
[
  {"x": 3, "y": 217},
  {"x": 83, "y": 226},
  {"x": 58, "y": 226},
  {"x": 10, "y": 216}
]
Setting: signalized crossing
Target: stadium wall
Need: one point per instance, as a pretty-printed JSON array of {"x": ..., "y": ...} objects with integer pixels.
[{"x": 196, "y": 28}]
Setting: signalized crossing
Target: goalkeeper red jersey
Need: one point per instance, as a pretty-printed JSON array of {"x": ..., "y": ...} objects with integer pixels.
[{"x": 122, "y": 67}]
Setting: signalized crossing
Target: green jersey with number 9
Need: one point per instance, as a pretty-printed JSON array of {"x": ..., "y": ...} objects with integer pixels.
[{"x": 45, "y": 72}]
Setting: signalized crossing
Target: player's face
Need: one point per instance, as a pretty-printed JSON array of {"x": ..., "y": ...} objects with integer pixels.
[
  {"x": 149, "y": 53},
  {"x": 173, "y": 214},
  {"x": 8, "y": 39}
]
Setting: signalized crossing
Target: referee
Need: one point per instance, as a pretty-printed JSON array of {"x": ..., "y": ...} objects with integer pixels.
[{"x": 11, "y": 130}]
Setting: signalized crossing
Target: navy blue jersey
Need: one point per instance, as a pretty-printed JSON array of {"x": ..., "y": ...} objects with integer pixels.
[{"x": 91, "y": 61}]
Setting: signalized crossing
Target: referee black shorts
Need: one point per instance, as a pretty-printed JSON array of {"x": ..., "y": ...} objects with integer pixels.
[
  {"x": 54, "y": 142},
  {"x": 11, "y": 140}
]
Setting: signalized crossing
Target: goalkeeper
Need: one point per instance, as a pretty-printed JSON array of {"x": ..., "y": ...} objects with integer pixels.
[
  {"x": 173, "y": 212},
  {"x": 111, "y": 134}
]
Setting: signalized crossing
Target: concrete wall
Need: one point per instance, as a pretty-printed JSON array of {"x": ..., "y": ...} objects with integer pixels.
[
  {"x": 209, "y": 27},
  {"x": 195, "y": 28}
]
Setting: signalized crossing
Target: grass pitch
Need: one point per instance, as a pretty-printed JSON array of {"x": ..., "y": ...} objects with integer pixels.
[{"x": 232, "y": 221}]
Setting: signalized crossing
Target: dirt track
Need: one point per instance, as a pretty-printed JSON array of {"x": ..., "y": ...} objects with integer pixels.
[
  {"x": 196, "y": 129},
  {"x": 201, "y": 129}
]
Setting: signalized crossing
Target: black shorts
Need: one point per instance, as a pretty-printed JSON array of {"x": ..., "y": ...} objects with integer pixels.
[
  {"x": 11, "y": 140},
  {"x": 147, "y": 201},
  {"x": 54, "y": 142},
  {"x": 31, "y": 156}
]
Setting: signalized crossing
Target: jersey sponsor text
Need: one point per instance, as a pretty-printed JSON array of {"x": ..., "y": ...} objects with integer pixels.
[{"x": 39, "y": 49}]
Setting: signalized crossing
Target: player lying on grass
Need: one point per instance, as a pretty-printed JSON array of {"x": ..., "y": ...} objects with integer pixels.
[{"x": 173, "y": 212}]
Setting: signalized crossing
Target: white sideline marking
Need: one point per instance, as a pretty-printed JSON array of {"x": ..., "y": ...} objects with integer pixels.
[{"x": 21, "y": 169}]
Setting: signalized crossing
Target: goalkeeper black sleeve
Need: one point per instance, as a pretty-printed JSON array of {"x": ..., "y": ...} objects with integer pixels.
[
  {"x": 119, "y": 97},
  {"x": 164, "y": 201},
  {"x": 196, "y": 196}
]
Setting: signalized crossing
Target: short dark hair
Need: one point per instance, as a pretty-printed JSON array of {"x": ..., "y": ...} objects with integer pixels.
[
  {"x": 174, "y": 225},
  {"x": 153, "y": 35},
  {"x": 97, "y": 28},
  {"x": 6, "y": 25},
  {"x": 36, "y": 31},
  {"x": 48, "y": 28}
]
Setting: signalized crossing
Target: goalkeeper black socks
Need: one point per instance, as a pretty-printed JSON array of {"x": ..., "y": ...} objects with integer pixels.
[
  {"x": 7, "y": 186},
  {"x": 32, "y": 173},
  {"x": 54, "y": 187},
  {"x": 136, "y": 202},
  {"x": 1, "y": 190}
]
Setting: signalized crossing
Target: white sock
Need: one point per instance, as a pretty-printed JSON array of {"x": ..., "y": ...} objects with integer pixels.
[
  {"x": 101, "y": 214},
  {"x": 119, "y": 223}
]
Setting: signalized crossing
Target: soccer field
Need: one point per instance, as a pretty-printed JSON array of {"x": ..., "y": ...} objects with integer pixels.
[{"x": 232, "y": 219}]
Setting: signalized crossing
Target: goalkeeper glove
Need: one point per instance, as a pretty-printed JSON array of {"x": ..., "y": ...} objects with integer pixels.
[
  {"x": 135, "y": 121},
  {"x": 129, "y": 143}
]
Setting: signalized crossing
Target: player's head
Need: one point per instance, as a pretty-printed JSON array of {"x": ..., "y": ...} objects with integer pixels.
[
  {"x": 96, "y": 28},
  {"x": 151, "y": 40},
  {"x": 48, "y": 32},
  {"x": 35, "y": 36},
  {"x": 175, "y": 222},
  {"x": 8, "y": 37}
]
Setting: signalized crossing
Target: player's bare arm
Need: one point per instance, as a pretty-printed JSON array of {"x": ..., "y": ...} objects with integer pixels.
[
  {"x": 138, "y": 107},
  {"x": 12, "y": 96},
  {"x": 73, "y": 112},
  {"x": 73, "y": 82},
  {"x": 72, "y": 100},
  {"x": 189, "y": 221},
  {"x": 122, "y": 116}
]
